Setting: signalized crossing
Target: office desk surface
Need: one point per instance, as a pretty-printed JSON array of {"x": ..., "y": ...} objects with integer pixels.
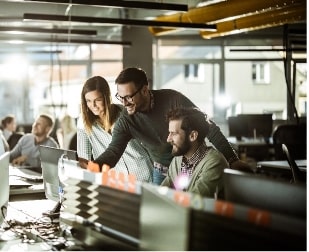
[
  {"x": 20, "y": 188},
  {"x": 23, "y": 212},
  {"x": 282, "y": 164}
]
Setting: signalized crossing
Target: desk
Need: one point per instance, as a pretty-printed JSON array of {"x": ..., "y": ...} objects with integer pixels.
[
  {"x": 282, "y": 165},
  {"x": 279, "y": 168},
  {"x": 26, "y": 189},
  {"x": 57, "y": 235},
  {"x": 34, "y": 232},
  {"x": 252, "y": 149}
]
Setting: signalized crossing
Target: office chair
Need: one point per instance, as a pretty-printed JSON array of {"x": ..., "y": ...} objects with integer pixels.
[
  {"x": 13, "y": 139},
  {"x": 294, "y": 137},
  {"x": 298, "y": 175}
]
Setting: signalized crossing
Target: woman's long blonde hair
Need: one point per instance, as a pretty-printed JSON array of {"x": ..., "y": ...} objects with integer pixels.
[{"x": 111, "y": 111}]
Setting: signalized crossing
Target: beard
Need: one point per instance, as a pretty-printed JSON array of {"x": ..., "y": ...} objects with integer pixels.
[{"x": 182, "y": 149}]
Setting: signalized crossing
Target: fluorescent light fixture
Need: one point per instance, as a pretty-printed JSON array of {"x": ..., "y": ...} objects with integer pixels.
[
  {"x": 72, "y": 41},
  {"x": 33, "y": 52},
  {"x": 19, "y": 30},
  {"x": 121, "y": 3},
  {"x": 133, "y": 22}
]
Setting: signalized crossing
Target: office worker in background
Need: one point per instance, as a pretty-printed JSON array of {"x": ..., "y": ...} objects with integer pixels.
[
  {"x": 95, "y": 129},
  {"x": 144, "y": 120},
  {"x": 66, "y": 132},
  {"x": 195, "y": 167},
  {"x": 26, "y": 151},
  {"x": 9, "y": 131}
]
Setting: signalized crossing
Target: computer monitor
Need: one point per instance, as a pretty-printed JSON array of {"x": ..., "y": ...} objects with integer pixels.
[
  {"x": 4, "y": 184},
  {"x": 49, "y": 163},
  {"x": 251, "y": 126},
  {"x": 264, "y": 192},
  {"x": 259, "y": 125},
  {"x": 238, "y": 127}
]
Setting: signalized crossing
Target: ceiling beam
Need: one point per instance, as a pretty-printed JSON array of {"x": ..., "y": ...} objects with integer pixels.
[
  {"x": 121, "y": 3},
  {"x": 225, "y": 11},
  {"x": 13, "y": 29},
  {"x": 133, "y": 22},
  {"x": 259, "y": 21}
]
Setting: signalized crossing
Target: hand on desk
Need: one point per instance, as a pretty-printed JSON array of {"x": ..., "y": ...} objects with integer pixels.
[
  {"x": 19, "y": 160},
  {"x": 241, "y": 166}
]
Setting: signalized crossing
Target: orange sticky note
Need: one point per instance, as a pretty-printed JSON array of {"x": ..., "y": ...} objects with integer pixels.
[
  {"x": 182, "y": 198},
  {"x": 121, "y": 181},
  {"x": 112, "y": 178}
]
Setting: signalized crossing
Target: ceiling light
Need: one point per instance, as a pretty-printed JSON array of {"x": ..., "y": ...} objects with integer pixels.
[
  {"x": 44, "y": 30},
  {"x": 121, "y": 3},
  {"x": 72, "y": 41},
  {"x": 134, "y": 22}
]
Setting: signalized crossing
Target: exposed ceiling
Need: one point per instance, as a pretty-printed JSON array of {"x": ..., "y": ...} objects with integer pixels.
[{"x": 229, "y": 17}]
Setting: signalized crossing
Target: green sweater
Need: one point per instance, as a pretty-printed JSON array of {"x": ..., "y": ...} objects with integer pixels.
[
  {"x": 207, "y": 175},
  {"x": 151, "y": 130}
]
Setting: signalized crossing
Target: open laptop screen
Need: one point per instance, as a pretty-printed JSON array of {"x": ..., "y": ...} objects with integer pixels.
[{"x": 49, "y": 163}]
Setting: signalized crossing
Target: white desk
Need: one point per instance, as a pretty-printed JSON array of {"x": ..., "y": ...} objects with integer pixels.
[
  {"x": 25, "y": 188},
  {"x": 24, "y": 211}
]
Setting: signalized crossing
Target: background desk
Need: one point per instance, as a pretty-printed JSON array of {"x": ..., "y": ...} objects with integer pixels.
[
  {"x": 252, "y": 150},
  {"x": 279, "y": 168},
  {"x": 35, "y": 191}
]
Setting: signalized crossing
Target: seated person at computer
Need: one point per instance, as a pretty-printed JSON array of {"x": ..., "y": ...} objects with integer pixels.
[
  {"x": 26, "y": 151},
  {"x": 9, "y": 131},
  {"x": 195, "y": 167}
]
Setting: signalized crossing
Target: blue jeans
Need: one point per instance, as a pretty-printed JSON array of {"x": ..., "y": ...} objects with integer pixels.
[{"x": 158, "y": 177}]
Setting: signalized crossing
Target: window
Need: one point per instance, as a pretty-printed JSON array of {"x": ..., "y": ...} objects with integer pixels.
[
  {"x": 260, "y": 73},
  {"x": 192, "y": 72}
]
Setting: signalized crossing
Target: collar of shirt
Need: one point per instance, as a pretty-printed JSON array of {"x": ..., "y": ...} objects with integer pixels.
[{"x": 188, "y": 164}]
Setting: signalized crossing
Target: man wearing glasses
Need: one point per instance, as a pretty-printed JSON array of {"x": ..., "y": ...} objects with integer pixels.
[{"x": 145, "y": 120}]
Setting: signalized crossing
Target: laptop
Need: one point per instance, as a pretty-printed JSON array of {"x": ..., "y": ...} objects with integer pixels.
[
  {"x": 4, "y": 184},
  {"x": 49, "y": 163}
]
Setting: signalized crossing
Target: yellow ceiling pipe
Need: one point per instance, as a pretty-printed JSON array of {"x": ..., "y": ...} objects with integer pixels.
[
  {"x": 223, "y": 11},
  {"x": 259, "y": 21}
]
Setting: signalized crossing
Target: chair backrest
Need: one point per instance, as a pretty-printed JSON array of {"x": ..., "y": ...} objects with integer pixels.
[
  {"x": 294, "y": 136},
  {"x": 13, "y": 139},
  {"x": 298, "y": 176}
]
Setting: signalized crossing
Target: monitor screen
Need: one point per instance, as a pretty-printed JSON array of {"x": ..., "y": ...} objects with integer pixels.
[
  {"x": 259, "y": 125},
  {"x": 4, "y": 184},
  {"x": 238, "y": 127},
  {"x": 264, "y": 192},
  {"x": 251, "y": 126},
  {"x": 49, "y": 162}
]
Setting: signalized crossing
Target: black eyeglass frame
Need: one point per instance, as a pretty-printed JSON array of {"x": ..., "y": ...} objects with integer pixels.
[{"x": 128, "y": 98}]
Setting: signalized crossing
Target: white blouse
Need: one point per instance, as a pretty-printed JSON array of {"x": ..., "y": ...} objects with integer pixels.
[{"x": 135, "y": 159}]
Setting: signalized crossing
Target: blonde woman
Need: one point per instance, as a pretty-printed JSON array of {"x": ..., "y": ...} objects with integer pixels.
[
  {"x": 95, "y": 128},
  {"x": 66, "y": 131}
]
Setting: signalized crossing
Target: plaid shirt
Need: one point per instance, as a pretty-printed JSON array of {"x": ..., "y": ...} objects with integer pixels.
[{"x": 188, "y": 165}]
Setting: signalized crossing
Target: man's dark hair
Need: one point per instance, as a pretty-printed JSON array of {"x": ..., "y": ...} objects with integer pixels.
[
  {"x": 132, "y": 74},
  {"x": 192, "y": 119}
]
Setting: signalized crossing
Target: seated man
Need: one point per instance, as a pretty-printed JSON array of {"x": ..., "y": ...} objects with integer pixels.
[
  {"x": 26, "y": 151},
  {"x": 195, "y": 167}
]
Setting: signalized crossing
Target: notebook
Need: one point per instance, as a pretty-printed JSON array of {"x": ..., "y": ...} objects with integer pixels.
[{"x": 4, "y": 184}]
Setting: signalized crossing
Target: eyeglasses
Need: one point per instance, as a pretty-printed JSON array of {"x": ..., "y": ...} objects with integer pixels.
[{"x": 128, "y": 98}]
